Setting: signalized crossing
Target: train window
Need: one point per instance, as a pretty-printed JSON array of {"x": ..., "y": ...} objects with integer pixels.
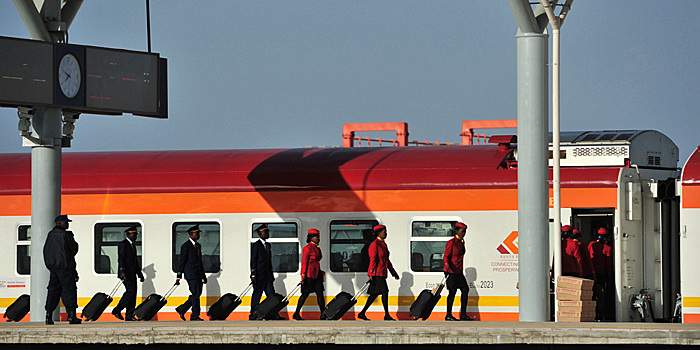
[
  {"x": 284, "y": 243},
  {"x": 428, "y": 239},
  {"x": 24, "y": 244},
  {"x": 210, "y": 240},
  {"x": 107, "y": 238},
  {"x": 348, "y": 237}
]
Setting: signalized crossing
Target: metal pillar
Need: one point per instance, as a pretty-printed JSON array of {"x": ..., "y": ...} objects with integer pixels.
[
  {"x": 45, "y": 24},
  {"x": 533, "y": 168}
]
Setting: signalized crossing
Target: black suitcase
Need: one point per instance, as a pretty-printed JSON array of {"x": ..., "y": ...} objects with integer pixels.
[
  {"x": 225, "y": 305},
  {"x": 97, "y": 305},
  {"x": 426, "y": 301},
  {"x": 18, "y": 309},
  {"x": 342, "y": 302},
  {"x": 271, "y": 306},
  {"x": 153, "y": 303}
]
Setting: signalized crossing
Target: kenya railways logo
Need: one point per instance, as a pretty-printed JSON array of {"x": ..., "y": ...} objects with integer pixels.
[{"x": 510, "y": 244}]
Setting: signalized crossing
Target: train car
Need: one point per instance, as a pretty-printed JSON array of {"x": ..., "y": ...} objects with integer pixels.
[
  {"x": 608, "y": 180},
  {"x": 690, "y": 238}
]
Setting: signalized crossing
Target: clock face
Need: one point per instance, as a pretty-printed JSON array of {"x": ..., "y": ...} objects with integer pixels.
[{"x": 69, "y": 75}]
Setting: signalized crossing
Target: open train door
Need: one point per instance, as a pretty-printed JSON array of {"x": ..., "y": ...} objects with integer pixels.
[{"x": 588, "y": 221}]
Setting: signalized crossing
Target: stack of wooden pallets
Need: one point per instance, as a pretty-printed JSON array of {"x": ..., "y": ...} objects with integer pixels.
[{"x": 575, "y": 299}]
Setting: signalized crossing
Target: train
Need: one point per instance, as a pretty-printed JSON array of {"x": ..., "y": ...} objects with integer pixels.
[{"x": 628, "y": 181}]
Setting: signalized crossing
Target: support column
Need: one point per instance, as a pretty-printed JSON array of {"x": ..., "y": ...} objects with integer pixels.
[
  {"x": 46, "y": 199},
  {"x": 533, "y": 174}
]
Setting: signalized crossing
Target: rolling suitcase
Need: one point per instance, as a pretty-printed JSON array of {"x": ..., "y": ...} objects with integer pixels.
[
  {"x": 342, "y": 302},
  {"x": 426, "y": 301},
  {"x": 268, "y": 309},
  {"x": 18, "y": 309},
  {"x": 225, "y": 305},
  {"x": 97, "y": 305},
  {"x": 153, "y": 303}
]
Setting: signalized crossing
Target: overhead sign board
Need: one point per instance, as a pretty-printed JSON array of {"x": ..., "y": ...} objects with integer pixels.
[{"x": 82, "y": 78}]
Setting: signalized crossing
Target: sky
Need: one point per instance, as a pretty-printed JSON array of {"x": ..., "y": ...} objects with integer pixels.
[{"x": 290, "y": 73}]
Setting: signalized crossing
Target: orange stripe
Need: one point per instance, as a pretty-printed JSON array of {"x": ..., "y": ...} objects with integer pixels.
[
  {"x": 691, "y": 197},
  {"x": 691, "y": 318},
  {"x": 308, "y": 201}
]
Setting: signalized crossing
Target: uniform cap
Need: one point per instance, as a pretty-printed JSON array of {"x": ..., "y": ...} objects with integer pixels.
[
  {"x": 132, "y": 229},
  {"x": 63, "y": 218},
  {"x": 576, "y": 231},
  {"x": 262, "y": 228},
  {"x": 379, "y": 228},
  {"x": 603, "y": 231},
  {"x": 194, "y": 229},
  {"x": 566, "y": 228},
  {"x": 460, "y": 225},
  {"x": 313, "y": 231}
]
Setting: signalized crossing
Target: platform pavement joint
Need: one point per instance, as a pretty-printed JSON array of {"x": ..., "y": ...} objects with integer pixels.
[{"x": 349, "y": 332}]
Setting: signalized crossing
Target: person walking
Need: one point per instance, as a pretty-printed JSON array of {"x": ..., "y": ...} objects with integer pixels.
[
  {"x": 60, "y": 249},
  {"x": 261, "y": 274},
  {"x": 454, "y": 271},
  {"x": 191, "y": 265},
  {"x": 129, "y": 269},
  {"x": 379, "y": 263},
  {"x": 311, "y": 273}
]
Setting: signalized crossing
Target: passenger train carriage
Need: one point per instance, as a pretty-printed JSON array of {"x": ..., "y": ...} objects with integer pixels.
[{"x": 622, "y": 180}]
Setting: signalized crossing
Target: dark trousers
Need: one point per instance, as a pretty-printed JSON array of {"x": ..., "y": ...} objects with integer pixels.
[
  {"x": 193, "y": 300},
  {"x": 62, "y": 285},
  {"x": 128, "y": 299},
  {"x": 258, "y": 289},
  {"x": 464, "y": 298}
]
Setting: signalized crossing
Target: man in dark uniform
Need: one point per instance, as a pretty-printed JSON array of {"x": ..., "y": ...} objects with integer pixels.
[
  {"x": 59, "y": 257},
  {"x": 454, "y": 270},
  {"x": 129, "y": 269},
  {"x": 191, "y": 264},
  {"x": 261, "y": 274}
]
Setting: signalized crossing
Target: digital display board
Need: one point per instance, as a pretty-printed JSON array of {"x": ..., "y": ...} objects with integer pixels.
[
  {"x": 82, "y": 78},
  {"x": 121, "y": 81},
  {"x": 26, "y": 72}
]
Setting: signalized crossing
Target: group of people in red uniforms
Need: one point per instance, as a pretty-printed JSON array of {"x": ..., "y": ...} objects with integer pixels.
[
  {"x": 379, "y": 269},
  {"x": 595, "y": 263}
]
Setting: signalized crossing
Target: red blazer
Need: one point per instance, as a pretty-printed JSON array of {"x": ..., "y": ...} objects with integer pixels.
[
  {"x": 454, "y": 256},
  {"x": 311, "y": 261},
  {"x": 570, "y": 257},
  {"x": 379, "y": 259},
  {"x": 586, "y": 264},
  {"x": 602, "y": 257}
]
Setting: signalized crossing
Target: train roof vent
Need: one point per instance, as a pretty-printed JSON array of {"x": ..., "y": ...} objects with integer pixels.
[
  {"x": 625, "y": 137},
  {"x": 590, "y": 137},
  {"x": 607, "y": 137}
]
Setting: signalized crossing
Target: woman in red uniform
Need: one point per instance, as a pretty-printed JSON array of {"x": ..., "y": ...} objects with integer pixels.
[
  {"x": 311, "y": 274},
  {"x": 379, "y": 263},
  {"x": 454, "y": 271}
]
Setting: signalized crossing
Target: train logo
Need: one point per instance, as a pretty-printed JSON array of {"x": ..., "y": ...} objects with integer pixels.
[{"x": 510, "y": 244}]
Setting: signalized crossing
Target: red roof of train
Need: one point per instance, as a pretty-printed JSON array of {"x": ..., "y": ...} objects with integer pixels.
[
  {"x": 384, "y": 168},
  {"x": 691, "y": 170}
]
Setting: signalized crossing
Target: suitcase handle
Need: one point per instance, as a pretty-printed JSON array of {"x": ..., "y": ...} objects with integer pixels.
[
  {"x": 240, "y": 297},
  {"x": 170, "y": 291},
  {"x": 294, "y": 291},
  {"x": 115, "y": 288},
  {"x": 361, "y": 291}
]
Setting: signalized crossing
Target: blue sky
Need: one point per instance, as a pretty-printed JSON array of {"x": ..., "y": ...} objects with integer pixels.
[{"x": 289, "y": 73}]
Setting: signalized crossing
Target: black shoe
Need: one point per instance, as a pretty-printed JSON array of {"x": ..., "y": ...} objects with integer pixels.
[
  {"x": 465, "y": 317},
  {"x": 252, "y": 318},
  {"x": 323, "y": 316},
  {"x": 49, "y": 319},
  {"x": 132, "y": 318},
  {"x": 196, "y": 319},
  {"x": 297, "y": 317},
  {"x": 388, "y": 318},
  {"x": 362, "y": 316},
  {"x": 74, "y": 320},
  {"x": 182, "y": 314},
  {"x": 450, "y": 318},
  {"x": 118, "y": 315}
]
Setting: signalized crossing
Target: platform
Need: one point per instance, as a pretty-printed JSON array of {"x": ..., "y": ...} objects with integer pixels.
[{"x": 349, "y": 332}]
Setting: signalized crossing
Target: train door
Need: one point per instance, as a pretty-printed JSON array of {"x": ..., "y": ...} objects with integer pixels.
[{"x": 588, "y": 221}]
